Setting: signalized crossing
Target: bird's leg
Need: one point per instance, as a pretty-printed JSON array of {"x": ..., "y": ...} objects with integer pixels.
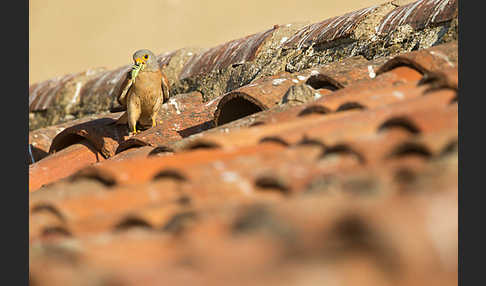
[
  {"x": 134, "y": 131},
  {"x": 154, "y": 122},
  {"x": 133, "y": 109},
  {"x": 132, "y": 124},
  {"x": 132, "y": 128}
]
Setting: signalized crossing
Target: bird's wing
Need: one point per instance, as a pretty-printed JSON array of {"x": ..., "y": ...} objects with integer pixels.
[
  {"x": 165, "y": 87},
  {"x": 125, "y": 87}
]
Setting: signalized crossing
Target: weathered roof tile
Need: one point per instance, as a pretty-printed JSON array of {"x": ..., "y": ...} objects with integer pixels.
[
  {"x": 62, "y": 164},
  {"x": 419, "y": 14},
  {"x": 234, "y": 52},
  {"x": 328, "y": 30},
  {"x": 347, "y": 169}
]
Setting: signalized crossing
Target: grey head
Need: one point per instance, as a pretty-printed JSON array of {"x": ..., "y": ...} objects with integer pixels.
[{"x": 147, "y": 58}]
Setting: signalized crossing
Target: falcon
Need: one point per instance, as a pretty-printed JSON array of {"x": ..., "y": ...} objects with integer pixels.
[{"x": 143, "y": 92}]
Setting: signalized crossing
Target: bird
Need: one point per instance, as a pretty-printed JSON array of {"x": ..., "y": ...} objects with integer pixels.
[{"x": 143, "y": 92}]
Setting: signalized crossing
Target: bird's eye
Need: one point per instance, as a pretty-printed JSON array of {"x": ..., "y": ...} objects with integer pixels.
[{"x": 145, "y": 57}]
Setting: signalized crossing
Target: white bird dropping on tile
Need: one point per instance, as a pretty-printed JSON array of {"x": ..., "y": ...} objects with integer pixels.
[
  {"x": 278, "y": 81},
  {"x": 173, "y": 102},
  {"x": 371, "y": 72},
  {"x": 398, "y": 94}
]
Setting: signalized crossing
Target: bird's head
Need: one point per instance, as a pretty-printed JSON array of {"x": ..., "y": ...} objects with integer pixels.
[{"x": 147, "y": 59}]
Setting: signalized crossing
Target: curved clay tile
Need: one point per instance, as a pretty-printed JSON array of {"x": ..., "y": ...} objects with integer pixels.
[
  {"x": 102, "y": 133},
  {"x": 270, "y": 91},
  {"x": 108, "y": 209},
  {"x": 370, "y": 149},
  {"x": 62, "y": 164},
  {"x": 445, "y": 79},
  {"x": 58, "y": 90},
  {"x": 359, "y": 179},
  {"x": 418, "y": 15},
  {"x": 369, "y": 94},
  {"x": 252, "y": 98},
  {"x": 233, "y": 52},
  {"x": 40, "y": 140},
  {"x": 328, "y": 30},
  {"x": 142, "y": 169},
  {"x": 387, "y": 92},
  {"x": 434, "y": 59},
  {"x": 181, "y": 116},
  {"x": 345, "y": 227},
  {"x": 300, "y": 127},
  {"x": 427, "y": 112}
]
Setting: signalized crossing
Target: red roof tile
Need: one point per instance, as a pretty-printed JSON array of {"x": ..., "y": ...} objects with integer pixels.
[
  {"x": 348, "y": 230},
  {"x": 62, "y": 164},
  {"x": 328, "y": 30},
  {"x": 434, "y": 59},
  {"x": 419, "y": 14},
  {"x": 344, "y": 173},
  {"x": 182, "y": 116},
  {"x": 40, "y": 140},
  {"x": 42, "y": 94},
  {"x": 234, "y": 52}
]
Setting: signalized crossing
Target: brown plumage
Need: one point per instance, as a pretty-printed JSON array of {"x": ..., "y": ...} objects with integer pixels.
[{"x": 143, "y": 96}]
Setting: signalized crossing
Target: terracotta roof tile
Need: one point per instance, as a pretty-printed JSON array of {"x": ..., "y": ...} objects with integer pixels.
[
  {"x": 182, "y": 116},
  {"x": 128, "y": 171},
  {"x": 136, "y": 152},
  {"x": 270, "y": 91},
  {"x": 104, "y": 85},
  {"x": 381, "y": 105},
  {"x": 70, "y": 205},
  {"x": 108, "y": 146},
  {"x": 419, "y": 14},
  {"x": 165, "y": 58},
  {"x": 102, "y": 133},
  {"x": 108, "y": 209},
  {"x": 328, "y": 30},
  {"x": 41, "y": 95},
  {"x": 369, "y": 150},
  {"x": 369, "y": 229},
  {"x": 434, "y": 59},
  {"x": 334, "y": 172},
  {"x": 40, "y": 140},
  {"x": 62, "y": 164},
  {"x": 234, "y": 52},
  {"x": 233, "y": 64},
  {"x": 447, "y": 78}
]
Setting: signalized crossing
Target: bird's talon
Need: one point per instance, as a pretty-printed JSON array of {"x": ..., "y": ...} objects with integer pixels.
[{"x": 134, "y": 132}]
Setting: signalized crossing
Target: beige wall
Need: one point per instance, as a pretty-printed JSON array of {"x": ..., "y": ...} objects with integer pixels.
[{"x": 70, "y": 36}]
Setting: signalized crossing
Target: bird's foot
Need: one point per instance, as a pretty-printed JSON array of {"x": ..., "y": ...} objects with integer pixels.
[{"x": 134, "y": 132}]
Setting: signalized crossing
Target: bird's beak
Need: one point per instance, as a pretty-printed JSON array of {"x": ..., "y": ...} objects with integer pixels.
[{"x": 139, "y": 61}]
